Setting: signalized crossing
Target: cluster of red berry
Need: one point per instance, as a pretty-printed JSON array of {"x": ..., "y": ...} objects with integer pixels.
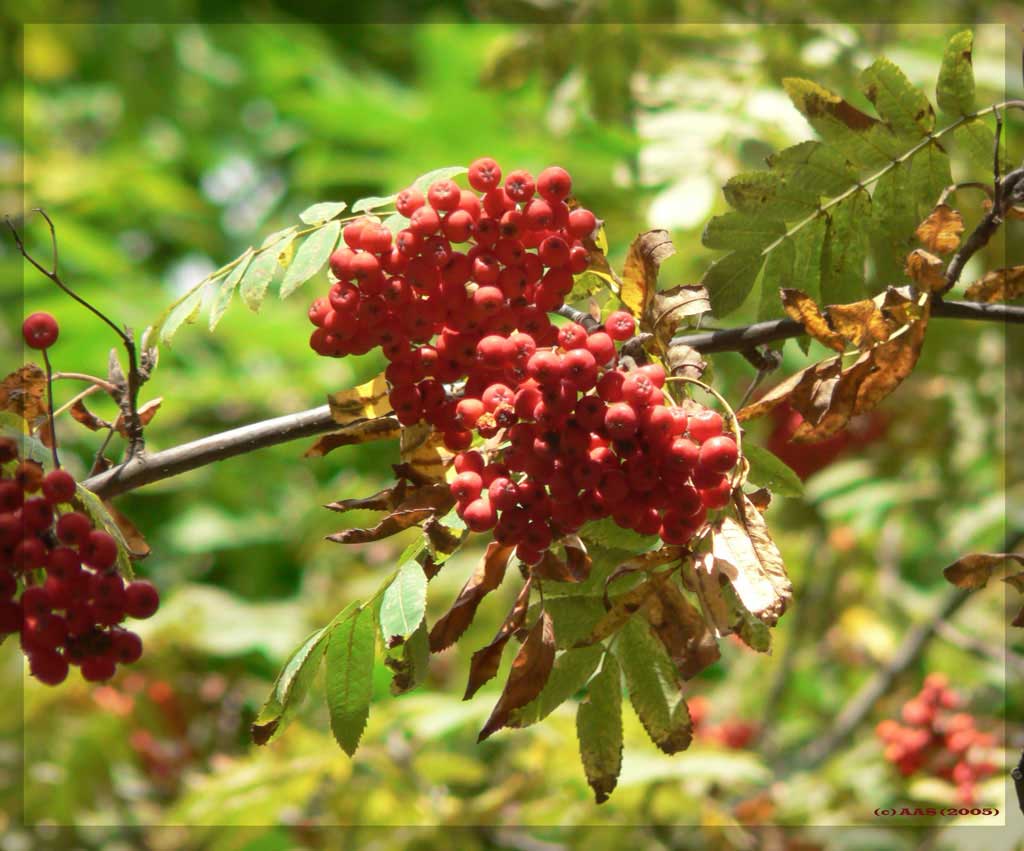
[
  {"x": 580, "y": 438},
  {"x": 733, "y": 733},
  {"x": 938, "y": 740},
  {"x": 72, "y": 616}
]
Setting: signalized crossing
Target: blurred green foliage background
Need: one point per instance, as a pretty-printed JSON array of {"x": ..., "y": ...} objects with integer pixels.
[{"x": 163, "y": 150}]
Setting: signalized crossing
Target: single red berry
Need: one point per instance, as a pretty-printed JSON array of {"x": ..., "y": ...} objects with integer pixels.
[
  {"x": 468, "y": 411},
  {"x": 444, "y": 195},
  {"x": 637, "y": 389},
  {"x": 466, "y": 487},
  {"x": 376, "y": 239},
  {"x": 480, "y": 516},
  {"x": 98, "y": 668},
  {"x": 58, "y": 486},
  {"x": 716, "y": 496},
  {"x": 36, "y": 515},
  {"x": 72, "y": 528},
  {"x": 520, "y": 185},
  {"x": 126, "y": 646},
  {"x": 494, "y": 351},
  {"x": 682, "y": 455},
  {"x": 40, "y": 331},
  {"x": 581, "y": 222},
  {"x": 620, "y": 421},
  {"x": 545, "y": 367},
  {"x": 48, "y": 666},
  {"x": 620, "y": 325},
  {"x": 469, "y": 461},
  {"x": 352, "y": 233},
  {"x": 99, "y": 550},
  {"x": 572, "y": 336},
  {"x": 718, "y": 454},
  {"x": 141, "y": 599},
  {"x": 705, "y": 425},
  {"x": 484, "y": 174},
  {"x": 458, "y": 226},
  {"x": 425, "y": 221},
  {"x": 554, "y": 183}
]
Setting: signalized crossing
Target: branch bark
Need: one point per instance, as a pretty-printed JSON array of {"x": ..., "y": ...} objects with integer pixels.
[{"x": 146, "y": 469}]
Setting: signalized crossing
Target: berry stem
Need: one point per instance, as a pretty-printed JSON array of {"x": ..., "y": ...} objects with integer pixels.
[{"x": 49, "y": 394}]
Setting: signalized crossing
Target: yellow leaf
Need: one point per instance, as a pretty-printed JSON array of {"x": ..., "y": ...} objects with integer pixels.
[
  {"x": 941, "y": 230},
  {"x": 364, "y": 402},
  {"x": 925, "y": 270}
]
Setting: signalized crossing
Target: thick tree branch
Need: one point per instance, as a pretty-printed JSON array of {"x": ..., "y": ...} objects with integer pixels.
[{"x": 145, "y": 470}]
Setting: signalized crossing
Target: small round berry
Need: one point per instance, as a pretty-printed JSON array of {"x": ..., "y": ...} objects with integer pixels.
[
  {"x": 705, "y": 425},
  {"x": 581, "y": 223},
  {"x": 409, "y": 201},
  {"x": 520, "y": 185},
  {"x": 620, "y": 421},
  {"x": 48, "y": 666},
  {"x": 554, "y": 183},
  {"x": 36, "y": 515},
  {"x": 72, "y": 528},
  {"x": 425, "y": 221},
  {"x": 718, "y": 454},
  {"x": 716, "y": 496},
  {"x": 466, "y": 487},
  {"x": 484, "y": 174},
  {"x": 99, "y": 549},
  {"x": 40, "y": 331},
  {"x": 141, "y": 599},
  {"x": 572, "y": 336},
  {"x": 98, "y": 668},
  {"x": 620, "y": 325},
  {"x": 468, "y": 411},
  {"x": 480, "y": 516},
  {"x": 126, "y": 646},
  {"x": 554, "y": 252},
  {"x": 58, "y": 486},
  {"x": 469, "y": 462},
  {"x": 444, "y": 195}
]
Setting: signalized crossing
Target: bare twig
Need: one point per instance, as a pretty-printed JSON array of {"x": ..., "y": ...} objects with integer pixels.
[
  {"x": 579, "y": 317},
  {"x": 99, "y": 383}
]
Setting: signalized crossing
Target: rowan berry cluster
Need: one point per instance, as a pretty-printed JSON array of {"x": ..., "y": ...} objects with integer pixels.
[
  {"x": 938, "y": 740},
  {"x": 572, "y": 437}
]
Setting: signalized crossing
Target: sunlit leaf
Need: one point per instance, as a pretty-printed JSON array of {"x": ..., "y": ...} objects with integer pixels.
[
  {"x": 404, "y": 602},
  {"x": 571, "y": 671},
  {"x": 903, "y": 106},
  {"x": 940, "y": 232},
  {"x": 226, "y": 290},
  {"x": 311, "y": 257},
  {"x": 349, "y": 675},
  {"x": 290, "y": 688},
  {"x": 364, "y": 402},
  {"x": 261, "y": 271},
  {"x": 730, "y": 279},
  {"x": 323, "y": 212},
  {"x": 771, "y": 472}
]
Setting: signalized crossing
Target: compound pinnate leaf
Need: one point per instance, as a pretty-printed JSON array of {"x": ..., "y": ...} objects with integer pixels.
[
  {"x": 903, "y": 106},
  {"x": 818, "y": 169},
  {"x": 310, "y": 257},
  {"x": 447, "y": 173},
  {"x": 226, "y": 291},
  {"x": 954, "y": 90},
  {"x": 349, "y": 675},
  {"x": 653, "y": 687},
  {"x": 364, "y": 205},
  {"x": 845, "y": 250},
  {"x": 185, "y": 312},
  {"x": 599, "y": 729},
  {"x": 322, "y": 212},
  {"x": 404, "y": 602},
  {"x": 290, "y": 688},
  {"x": 769, "y": 194},
  {"x": 735, "y": 230},
  {"x": 257, "y": 278}
]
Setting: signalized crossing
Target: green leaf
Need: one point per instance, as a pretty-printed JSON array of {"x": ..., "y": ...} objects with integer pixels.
[
  {"x": 404, "y": 602},
  {"x": 842, "y": 279},
  {"x": 976, "y": 139},
  {"x": 930, "y": 174},
  {"x": 954, "y": 90},
  {"x": 395, "y": 223},
  {"x": 570, "y": 673},
  {"x": 349, "y": 675},
  {"x": 261, "y": 271},
  {"x": 422, "y": 183},
  {"x": 771, "y": 471},
  {"x": 608, "y": 534},
  {"x": 730, "y": 279},
  {"x": 185, "y": 311},
  {"x": 227, "y": 289},
  {"x": 776, "y": 274},
  {"x": 819, "y": 169},
  {"x": 290, "y": 688},
  {"x": 751, "y": 630},
  {"x": 411, "y": 667},
  {"x": 573, "y": 616},
  {"x": 310, "y": 257},
  {"x": 93, "y": 506},
  {"x": 374, "y": 202},
  {"x": 599, "y": 730},
  {"x": 741, "y": 231},
  {"x": 903, "y": 106},
  {"x": 768, "y": 194},
  {"x": 13, "y": 426},
  {"x": 322, "y": 212},
  {"x": 653, "y": 687},
  {"x": 893, "y": 211}
]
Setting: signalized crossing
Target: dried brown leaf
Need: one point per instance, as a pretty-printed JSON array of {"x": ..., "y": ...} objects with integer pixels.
[
  {"x": 530, "y": 671},
  {"x": 383, "y": 500},
  {"x": 23, "y": 392},
  {"x": 418, "y": 504},
  {"x": 681, "y": 628},
  {"x": 975, "y": 569},
  {"x": 640, "y": 271},
  {"x": 998, "y": 285},
  {"x": 146, "y": 413},
  {"x": 485, "y": 662},
  {"x": 799, "y": 390},
  {"x": 487, "y": 576},
  {"x": 668, "y": 308},
  {"x": 801, "y": 308},
  {"x": 707, "y": 585},
  {"x": 423, "y": 452},
  {"x": 80, "y": 413},
  {"x": 1015, "y": 580},
  {"x": 575, "y": 567},
  {"x": 925, "y": 270},
  {"x": 624, "y": 606},
  {"x": 941, "y": 230},
  {"x": 361, "y": 431},
  {"x": 364, "y": 402},
  {"x": 760, "y": 499},
  {"x": 137, "y": 547},
  {"x": 683, "y": 360}
]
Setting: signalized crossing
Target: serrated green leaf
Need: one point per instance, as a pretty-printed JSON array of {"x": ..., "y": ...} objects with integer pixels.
[
  {"x": 573, "y": 616},
  {"x": 898, "y": 101},
  {"x": 776, "y": 273},
  {"x": 93, "y": 506},
  {"x": 349, "y": 676},
  {"x": 599, "y": 729},
  {"x": 322, "y": 212},
  {"x": 310, "y": 257},
  {"x": 930, "y": 174},
  {"x": 772, "y": 472},
  {"x": 736, "y": 230},
  {"x": 374, "y": 202},
  {"x": 422, "y": 183},
  {"x": 570, "y": 673},
  {"x": 290, "y": 688},
  {"x": 226, "y": 292},
  {"x": 893, "y": 211},
  {"x": 730, "y": 279},
  {"x": 186, "y": 311},
  {"x": 954, "y": 90},
  {"x": 845, "y": 250},
  {"x": 976, "y": 139},
  {"x": 404, "y": 602},
  {"x": 821, "y": 170},
  {"x": 653, "y": 687},
  {"x": 278, "y": 236},
  {"x": 767, "y": 194},
  {"x": 253, "y": 287}
]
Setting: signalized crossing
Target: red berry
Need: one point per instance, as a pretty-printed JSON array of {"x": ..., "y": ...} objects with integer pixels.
[
  {"x": 581, "y": 222},
  {"x": 620, "y": 325},
  {"x": 468, "y": 411},
  {"x": 409, "y": 201},
  {"x": 72, "y": 528},
  {"x": 480, "y": 516},
  {"x": 48, "y": 666},
  {"x": 554, "y": 252},
  {"x": 602, "y": 347},
  {"x": 98, "y": 668},
  {"x": 425, "y": 221},
  {"x": 554, "y": 183},
  {"x": 620, "y": 421},
  {"x": 572, "y": 336},
  {"x": 520, "y": 185},
  {"x": 484, "y": 174},
  {"x": 58, "y": 486},
  {"x": 99, "y": 550},
  {"x": 718, "y": 454},
  {"x": 141, "y": 599},
  {"x": 705, "y": 425},
  {"x": 126, "y": 646},
  {"x": 444, "y": 195},
  {"x": 546, "y": 367},
  {"x": 36, "y": 515},
  {"x": 466, "y": 487},
  {"x": 716, "y": 496},
  {"x": 40, "y": 331}
]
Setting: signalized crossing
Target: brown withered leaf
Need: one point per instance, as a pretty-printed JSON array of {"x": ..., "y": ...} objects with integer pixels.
[
  {"x": 862, "y": 323},
  {"x": 417, "y": 505},
  {"x": 146, "y": 414},
  {"x": 760, "y": 499},
  {"x": 801, "y": 308},
  {"x": 485, "y": 662},
  {"x": 941, "y": 230},
  {"x": 681, "y": 628},
  {"x": 487, "y": 576},
  {"x": 669, "y": 307},
  {"x": 383, "y": 500},
  {"x": 832, "y": 410},
  {"x": 925, "y": 270},
  {"x": 685, "y": 361},
  {"x": 530, "y": 671},
  {"x": 442, "y": 538},
  {"x": 800, "y": 390},
  {"x": 137, "y": 547},
  {"x": 974, "y": 570},
  {"x": 745, "y": 553},
  {"x": 1018, "y": 620},
  {"x": 998, "y": 285},
  {"x": 707, "y": 585},
  {"x": 575, "y": 567},
  {"x": 364, "y": 402},
  {"x": 640, "y": 271},
  {"x": 1016, "y": 581},
  {"x": 361, "y": 431},
  {"x": 23, "y": 392},
  {"x": 81, "y": 414},
  {"x": 423, "y": 452}
]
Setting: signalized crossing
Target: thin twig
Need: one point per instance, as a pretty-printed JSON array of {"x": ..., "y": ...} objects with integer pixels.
[
  {"x": 579, "y": 317},
  {"x": 93, "y": 388},
  {"x": 99, "y": 383}
]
